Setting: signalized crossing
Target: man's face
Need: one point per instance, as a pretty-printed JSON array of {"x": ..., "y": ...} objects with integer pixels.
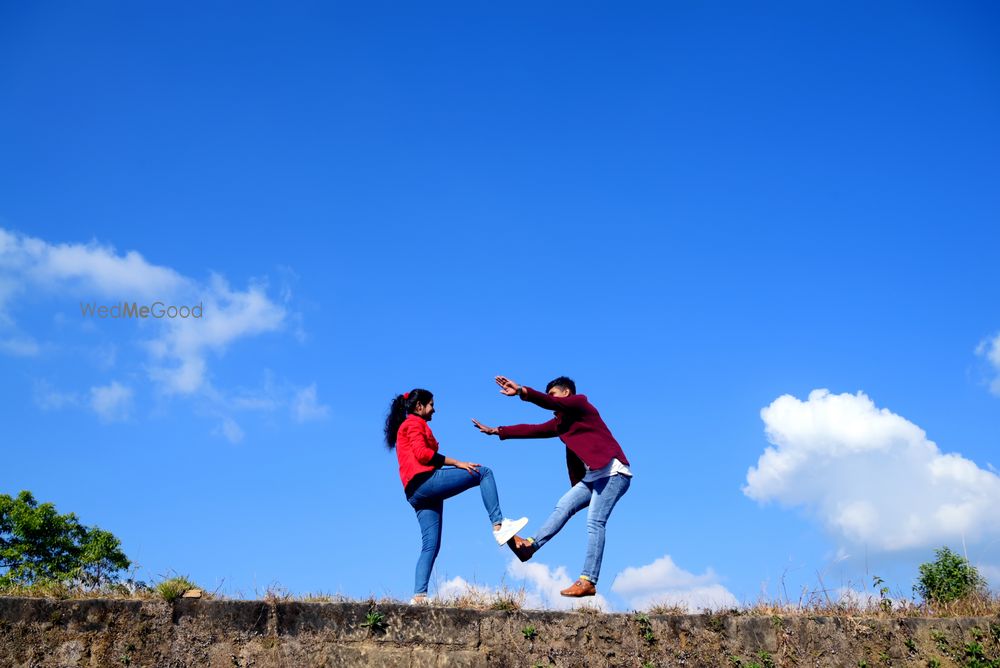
[{"x": 558, "y": 391}]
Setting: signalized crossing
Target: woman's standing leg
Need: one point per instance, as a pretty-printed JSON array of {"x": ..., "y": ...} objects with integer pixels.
[{"x": 429, "y": 516}]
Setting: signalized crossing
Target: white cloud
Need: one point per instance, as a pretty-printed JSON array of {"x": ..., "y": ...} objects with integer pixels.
[
  {"x": 664, "y": 583},
  {"x": 21, "y": 346},
  {"x": 47, "y": 398},
  {"x": 88, "y": 271},
  {"x": 306, "y": 407},
  {"x": 544, "y": 583},
  {"x": 459, "y": 587},
  {"x": 871, "y": 476},
  {"x": 93, "y": 267},
  {"x": 990, "y": 350},
  {"x": 111, "y": 402},
  {"x": 230, "y": 430},
  {"x": 228, "y": 315},
  {"x": 179, "y": 350}
]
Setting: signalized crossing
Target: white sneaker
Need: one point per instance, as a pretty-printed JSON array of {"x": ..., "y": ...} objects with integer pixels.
[
  {"x": 419, "y": 600},
  {"x": 508, "y": 529}
]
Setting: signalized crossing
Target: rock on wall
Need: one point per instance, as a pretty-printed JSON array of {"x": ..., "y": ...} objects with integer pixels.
[{"x": 100, "y": 633}]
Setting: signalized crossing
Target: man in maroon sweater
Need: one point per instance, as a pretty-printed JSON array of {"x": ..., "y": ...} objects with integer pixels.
[{"x": 599, "y": 472}]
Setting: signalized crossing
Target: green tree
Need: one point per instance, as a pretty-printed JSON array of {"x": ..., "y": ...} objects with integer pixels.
[
  {"x": 948, "y": 578},
  {"x": 37, "y": 545}
]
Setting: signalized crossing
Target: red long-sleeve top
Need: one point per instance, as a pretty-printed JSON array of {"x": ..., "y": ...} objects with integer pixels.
[
  {"x": 578, "y": 425},
  {"x": 416, "y": 449}
]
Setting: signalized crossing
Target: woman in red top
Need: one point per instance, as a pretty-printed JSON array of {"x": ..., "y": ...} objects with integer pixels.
[{"x": 429, "y": 478}]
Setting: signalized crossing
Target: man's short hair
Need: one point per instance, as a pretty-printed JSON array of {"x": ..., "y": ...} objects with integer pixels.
[{"x": 562, "y": 381}]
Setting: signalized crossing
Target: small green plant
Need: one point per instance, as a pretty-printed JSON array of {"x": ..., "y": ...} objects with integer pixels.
[
  {"x": 884, "y": 602},
  {"x": 716, "y": 623},
  {"x": 126, "y": 657},
  {"x": 375, "y": 622},
  {"x": 529, "y": 632},
  {"x": 172, "y": 589},
  {"x": 645, "y": 628},
  {"x": 911, "y": 645},
  {"x": 939, "y": 640},
  {"x": 948, "y": 578},
  {"x": 933, "y": 663},
  {"x": 765, "y": 659},
  {"x": 974, "y": 650},
  {"x": 505, "y": 604},
  {"x": 975, "y": 657},
  {"x": 862, "y": 663}
]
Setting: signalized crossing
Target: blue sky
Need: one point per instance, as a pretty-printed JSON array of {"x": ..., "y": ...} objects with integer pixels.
[{"x": 692, "y": 208}]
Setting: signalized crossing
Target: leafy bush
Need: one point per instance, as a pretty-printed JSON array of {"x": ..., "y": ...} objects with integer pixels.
[
  {"x": 38, "y": 545},
  {"x": 948, "y": 578}
]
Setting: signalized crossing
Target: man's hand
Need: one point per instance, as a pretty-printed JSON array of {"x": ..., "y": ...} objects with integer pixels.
[
  {"x": 489, "y": 431},
  {"x": 507, "y": 386}
]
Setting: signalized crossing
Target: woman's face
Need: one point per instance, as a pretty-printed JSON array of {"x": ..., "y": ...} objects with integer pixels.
[{"x": 424, "y": 410}]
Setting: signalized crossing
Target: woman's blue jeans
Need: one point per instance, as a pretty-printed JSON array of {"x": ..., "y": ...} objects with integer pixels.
[
  {"x": 599, "y": 497},
  {"x": 428, "y": 501}
]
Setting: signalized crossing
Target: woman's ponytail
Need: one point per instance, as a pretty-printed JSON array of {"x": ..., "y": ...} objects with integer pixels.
[{"x": 401, "y": 406}]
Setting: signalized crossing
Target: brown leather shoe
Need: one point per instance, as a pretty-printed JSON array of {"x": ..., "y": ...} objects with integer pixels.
[
  {"x": 522, "y": 548},
  {"x": 580, "y": 588}
]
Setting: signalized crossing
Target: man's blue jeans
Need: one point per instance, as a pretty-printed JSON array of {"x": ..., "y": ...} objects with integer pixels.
[
  {"x": 599, "y": 497},
  {"x": 428, "y": 501}
]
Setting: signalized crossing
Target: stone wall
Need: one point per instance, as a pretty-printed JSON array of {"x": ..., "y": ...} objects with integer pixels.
[{"x": 104, "y": 633}]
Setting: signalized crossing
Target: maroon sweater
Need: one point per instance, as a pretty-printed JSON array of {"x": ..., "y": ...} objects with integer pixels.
[{"x": 578, "y": 424}]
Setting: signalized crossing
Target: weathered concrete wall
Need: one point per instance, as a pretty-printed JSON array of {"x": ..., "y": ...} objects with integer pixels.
[{"x": 240, "y": 634}]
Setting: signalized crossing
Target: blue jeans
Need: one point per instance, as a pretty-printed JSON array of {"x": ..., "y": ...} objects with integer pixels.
[
  {"x": 428, "y": 501},
  {"x": 599, "y": 497}
]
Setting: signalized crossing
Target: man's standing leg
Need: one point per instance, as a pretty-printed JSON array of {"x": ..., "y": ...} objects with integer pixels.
[{"x": 607, "y": 492}]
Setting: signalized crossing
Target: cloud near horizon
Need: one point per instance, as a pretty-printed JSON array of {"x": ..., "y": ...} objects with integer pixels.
[
  {"x": 662, "y": 582},
  {"x": 641, "y": 587},
  {"x": 871, "y": 476}
]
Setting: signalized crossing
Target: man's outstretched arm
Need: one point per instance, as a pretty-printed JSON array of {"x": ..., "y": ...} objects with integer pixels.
[
  {"x": 570, "y": 403},
  {"x": 544, "y": 430}
]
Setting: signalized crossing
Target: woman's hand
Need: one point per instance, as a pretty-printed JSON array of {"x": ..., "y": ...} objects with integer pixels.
[
  {"x": 468, "y": 466},
  {"x": 507, "y": 386},
  {"x": 489, "y": 431}
]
